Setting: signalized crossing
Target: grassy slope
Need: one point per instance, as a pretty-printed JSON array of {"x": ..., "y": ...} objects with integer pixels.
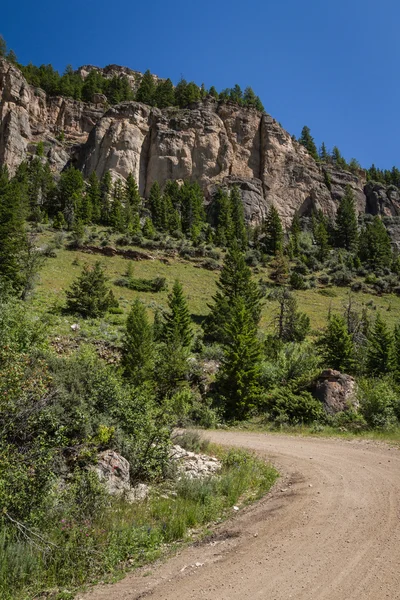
[{"x": 199, "y": 285}]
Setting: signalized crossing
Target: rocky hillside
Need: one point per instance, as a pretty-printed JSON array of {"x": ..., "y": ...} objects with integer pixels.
[{"x": 210, "y": 142}]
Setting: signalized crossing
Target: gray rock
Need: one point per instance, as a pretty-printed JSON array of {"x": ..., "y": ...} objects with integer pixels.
[
  {"x": 192, "y": 465},
  {"x": 336, "y": 391}
]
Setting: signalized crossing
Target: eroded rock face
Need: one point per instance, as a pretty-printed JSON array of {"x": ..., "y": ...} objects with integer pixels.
[
  {"x": 211, "y": 143},
  {"x": 28, "y": 116},
  {"x": 336, "y": 391}
]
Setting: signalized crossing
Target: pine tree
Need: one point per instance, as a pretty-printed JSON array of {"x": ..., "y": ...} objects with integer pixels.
[
  {"x": 89, "y": 294},
  {"x": 164, "y": 95},
  {"x": 346, "y": 233},
  {"x": 396, "y": 351},
  {"x": 337, "y": 347},
  {"x": 320, "y": 234},
  {"x": 323, "y": 153},
  {"x": 117, "y": 215},
  {"x": 235, "y": 282},
  {"x": 148, "y": 229},
  {"x": 295, "y": 231},
  {"x": 94, "y": 193},
  {"x": 138, "y": 347},
  {"x": 238, "y": 378},
  {"x": 213, "y": 92},
  {"x": 307, "y": 141},
  {"x": 3, "y": 47},
  {"x": 273, "y": 232},
  {"x": 380, "y": 349},
  {"x": 156, "y": 204},
  {"x": 375, "y": 248},
  {"x": 238, "y": 230},
  {"x": 69, "y": 193},
  {"x": 13, "y": 239},
  {"x": 178, "y": 323},
  {"x": 223, "y": 218},
  {"x": 147, "y": 89},
  {"x": 106, "y": 191},
  {"x": 291, "y": 325}
]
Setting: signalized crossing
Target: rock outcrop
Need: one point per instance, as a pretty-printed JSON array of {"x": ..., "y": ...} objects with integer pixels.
[
  {"x": 336, "y": 391},
  {"x": 210, "y": 142},
  {"x": 192, "y": 465}
]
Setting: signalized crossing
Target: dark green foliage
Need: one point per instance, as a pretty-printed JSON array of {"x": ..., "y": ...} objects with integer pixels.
[
  {"x": 164, "y": 94},
  {"x": 89, "y": 295},
  {"x": 186, "y": 93},
  {"x": 286, "y": 406},
  {"x": 157, "y": 207},
  {"x": 338, "y": 159},
  {"x": 69, "y": 194},
  {"x": 147, "y": 89},
  {"x": 380, "y": 349},
  {"x": 178, "y": 323},
  {"x": 93, "y": 193},
  {"x": 223, "y": 217},
  {"x": 3, "y": 47},
  {"x": 106, "y": 191},
  {"x": 379, "y": 402},
  {"x": 235, "y": 282},
  {"x": 273, "y": 232},
  {"x": 291, "y": 325},
  {"x": 323, "y": 153},
  {"x": 307, "y": 141},
  {"x": 158, "y": 284},
  {"x": 138, "y": 347},
  {"x": 375, "y": 247},
  {"x": 13, "y": 239},
  {"x": 238, "y": 379},
  {"x": 336, "y": 345},
  {"x": 238, "y": 231},
  {"x": 346, "y": 231},
  {"x": 321, "y": 235},
  {"x": 295, "y": 231}
]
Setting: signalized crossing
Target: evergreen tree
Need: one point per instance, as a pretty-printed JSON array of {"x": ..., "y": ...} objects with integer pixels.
[
  {"x": 273, "y": 232},
  {"x": 250, "y": 99},
  {"x": 291, "y": 325},
  {"x": 138, "y": 348},
  {"x": 235, "y": 282},
  {"x": 94, "y": 194},
  {"x": 106, "y": 191},
  {"x": 337, "y": 347},
  {"x": 338, "y": 159},
  {"x": 213, "y": 92},
  {"x": 346, "y": 232},
  {"x": 238, "y": 230},
  {"x": 307, "y": 141},
  {"x": 3, "y": 47},
  {"x": 157, "y": 207},
  {"x": 238, "y": 378},
  {"x": 223, "y": 217},
  {"x": 375, "y": 248},
  {"x": 320, "y": 234},
  {"x": 13, "y": 240},
  {"x": 380, "y": 349},
  {"x": 191, "y": 207},
  {"x": 147, "y": 89},
  {"x": 89, "y": 294},
  {"x": 148, "y": 229},
  {"x": 69, "y": 193},
  {"x": 117, "y": 211},
  {"x": 323, "y": 153},
  {"x": 178, "y": 323},
  {"x": 396, "y": 351},
  {"x": 164, "y": 94}
]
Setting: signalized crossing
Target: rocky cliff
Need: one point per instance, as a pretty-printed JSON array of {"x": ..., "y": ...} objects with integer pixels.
[{"x": 210, "y": 142}]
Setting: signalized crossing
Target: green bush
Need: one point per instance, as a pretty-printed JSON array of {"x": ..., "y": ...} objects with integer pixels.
[
  {"x": 293, "y": 407},
  {"x": 379, "y": 402},
  {"x": 159, "y": 284}
]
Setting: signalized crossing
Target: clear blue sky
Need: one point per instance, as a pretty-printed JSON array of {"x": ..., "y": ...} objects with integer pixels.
[{"x": 333, "y": 66}]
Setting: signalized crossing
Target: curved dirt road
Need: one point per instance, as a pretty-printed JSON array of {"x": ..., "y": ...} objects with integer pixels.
[{"x": 330, "y": 530}]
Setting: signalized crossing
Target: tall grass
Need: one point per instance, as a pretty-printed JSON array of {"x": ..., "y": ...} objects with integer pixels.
[{"x": 81, "y": 550}]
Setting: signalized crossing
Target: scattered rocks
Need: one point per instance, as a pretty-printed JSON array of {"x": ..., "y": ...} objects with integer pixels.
[{"x": 194, "y": 465}]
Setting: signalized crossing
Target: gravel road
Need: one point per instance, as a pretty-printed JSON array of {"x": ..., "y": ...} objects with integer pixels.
[{"x": 329, "y": 530}]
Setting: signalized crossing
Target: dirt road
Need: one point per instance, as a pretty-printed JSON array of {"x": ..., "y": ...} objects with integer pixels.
[{"x": 330, "y": 530}]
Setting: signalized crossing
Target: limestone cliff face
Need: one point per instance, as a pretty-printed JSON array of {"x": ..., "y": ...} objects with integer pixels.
[
  {"x": 211, "y": 143},
  {"x": 28, "y": 116}
]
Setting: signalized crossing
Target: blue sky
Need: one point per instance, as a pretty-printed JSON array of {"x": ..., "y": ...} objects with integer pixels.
[{"x": 332, "y": 66}]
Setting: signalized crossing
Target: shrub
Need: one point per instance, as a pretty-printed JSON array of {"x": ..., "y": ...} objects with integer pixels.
[
  {"x": 159, "y": 284},
  {"x": 342, "y": 277},
  {"x": 293, "y": 407},
  {"x": 297, "y": 281},
  {"x": 379, "y": 402}
]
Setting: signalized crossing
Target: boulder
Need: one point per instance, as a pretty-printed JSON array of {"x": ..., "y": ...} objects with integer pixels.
[
  {"x": 192, "y": 465},
  {"x": 113, "y": 471},
  {"x": 336, "y": 391}
]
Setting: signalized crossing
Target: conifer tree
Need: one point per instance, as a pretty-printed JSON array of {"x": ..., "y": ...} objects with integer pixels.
[
  {"x": 307, "y": 141},
  {"x": 213, "y": 92},
  {"x": 13, "y": 240},
  {"x": 375, "y": 248},
  {"x": 235, "y": 281},
  {"x": 346, "y": 231},
  {"x": 138, "y": 347},
  {"x": 291, "y": 325},
  {"x": 338, "y": 159},
  {"x": 117, "y": 211},
  {"x": 337, "y": 347},
  {"x": 380, "y": 349},
  {"x": 396, "y": 351},
  {"x": 164, "y": 94},
  {"x": 89, "y": 294},
  {"x": 238, "y": 229},
  {"x": 223, "y": 218},
  {"x": 148, "y": 229},
  {"x": 178, "y": 323},
  {"x": 106, "y": 192},
  {"x": 94, "y": 193},
  {"x": 273, "y": 232},
  {"x": 3, "y": 47},
  {"x": 323, "y": 153},
  {"x": 157, "y": 206},
  {"x": 238, "y": 378},
  {"x": 147, "y": 89},
  {"x": 295, "y": 231}
]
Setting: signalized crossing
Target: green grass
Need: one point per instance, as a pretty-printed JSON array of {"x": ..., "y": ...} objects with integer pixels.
[
  {"x": 123, "y": 536},
  {"x": 199, "y": 285}
]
